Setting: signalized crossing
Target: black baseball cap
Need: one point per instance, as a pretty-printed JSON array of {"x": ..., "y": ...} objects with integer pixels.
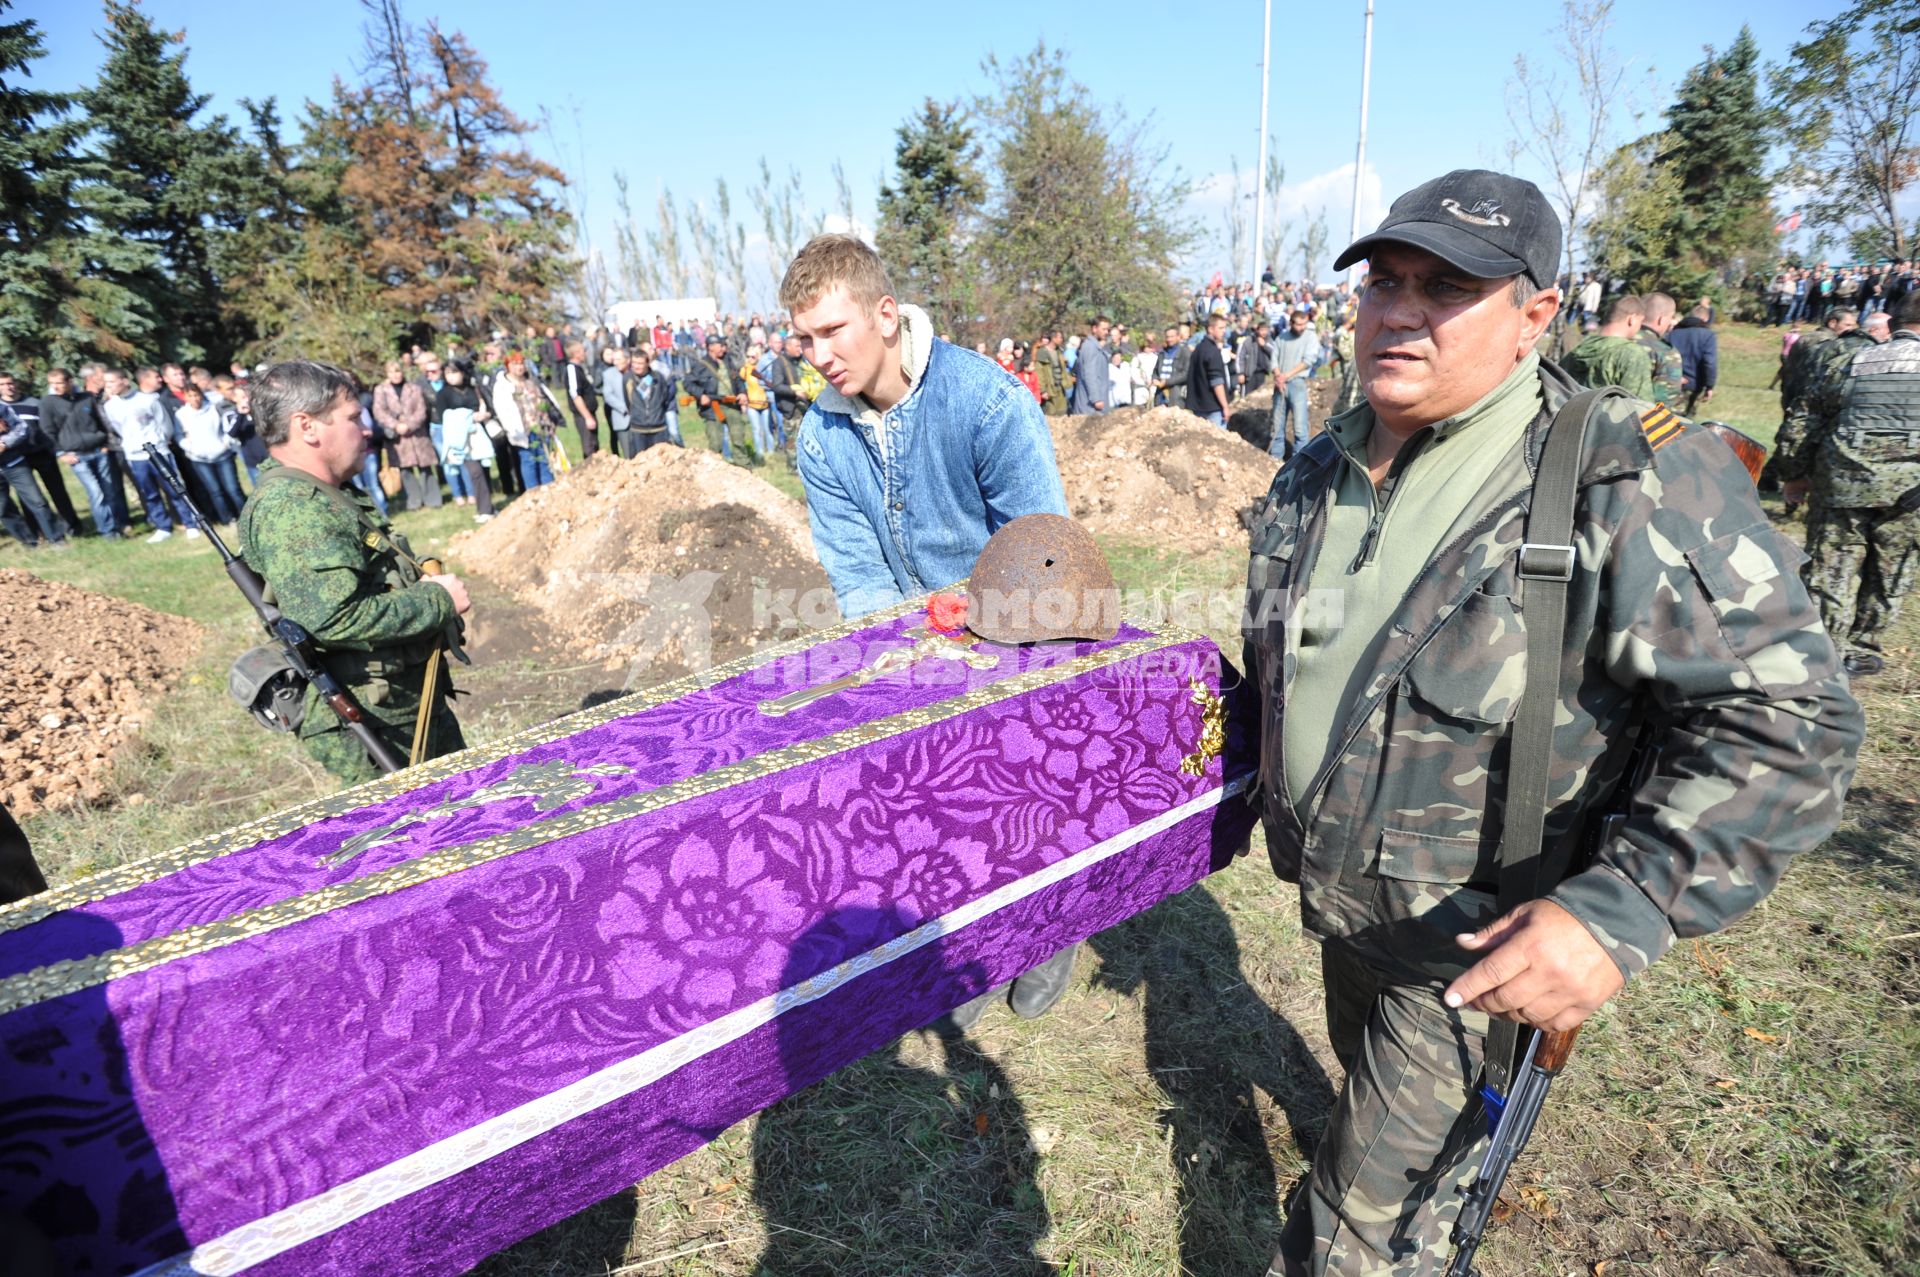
[{"x": 1487, "y": 224}]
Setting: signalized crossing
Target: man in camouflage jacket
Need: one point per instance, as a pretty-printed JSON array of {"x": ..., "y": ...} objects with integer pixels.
[
  {"x": 1859, "y": 456},
  {"x": 338, "y": 570},
  {"x": 1385, "y": 636},
  {"x": 1815, "y": 370},
  {"x": 1669, "y": 383}
]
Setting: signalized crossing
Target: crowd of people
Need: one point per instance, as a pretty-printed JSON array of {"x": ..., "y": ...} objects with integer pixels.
[
  {"x": 452, "y": 423},
  {"x": 1807, "y": 294},
  {"x": 446, "y": 424}
]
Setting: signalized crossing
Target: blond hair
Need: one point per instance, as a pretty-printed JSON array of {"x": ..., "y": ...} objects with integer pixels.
[{"x": 828, "y": 260}]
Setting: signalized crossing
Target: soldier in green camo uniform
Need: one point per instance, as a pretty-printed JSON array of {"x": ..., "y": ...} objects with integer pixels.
[
  {"x": 1386, "y": 638},
  {"x": 340, "y": 572},
  {"x": 1818, "y": 361},
  {"x": 1859, "y": 456},
  {"x": 1611, "y": 356},
  {"x": 1662, "y": 315}
]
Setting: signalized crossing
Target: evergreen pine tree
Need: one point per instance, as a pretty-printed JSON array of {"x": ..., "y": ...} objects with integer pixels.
[
  {"x": 185, "y": 185},
  {"x": 927, "y": 214},
  {"x": 60, "y": 299},
  {"x": 1715, "y": 146}
]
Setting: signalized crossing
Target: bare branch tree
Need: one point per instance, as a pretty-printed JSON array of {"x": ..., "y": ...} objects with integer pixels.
[
  {"x": 389, "y": 41},
  {"x": 1274, "y": 249},
  {"x": 664, "y": 246},
  {"x": 734, "y": 240},
  {"x": 1563, "y": 118},
  {"x": 844, "y": 191},
  {"x": 783, "y": 215},
  {"x": 639, "y": 276},
  {"x": 1235, "y": 218},
  {"x": 1312, "y": 247}
]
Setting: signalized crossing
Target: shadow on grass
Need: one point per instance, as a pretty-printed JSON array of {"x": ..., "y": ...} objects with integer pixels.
[
  {"x": 888, "y": 1166},
  {"x": 1876, "y": 837},
  {"x": 1213, "y": 1047}
]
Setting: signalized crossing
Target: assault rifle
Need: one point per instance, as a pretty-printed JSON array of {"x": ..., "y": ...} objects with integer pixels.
[
  {"x": 294, "y": 644},
  {"x": 1510, "y": 1117}
]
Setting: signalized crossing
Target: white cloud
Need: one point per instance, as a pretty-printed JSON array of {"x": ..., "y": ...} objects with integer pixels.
[{"x": 1296, "y": 203}]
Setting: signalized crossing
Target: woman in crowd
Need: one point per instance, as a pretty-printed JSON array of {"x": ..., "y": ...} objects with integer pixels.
[
  {"x": 463, "y": 417},
  {"x": 400, "y": 406},
  {"x": 759, "y": 407},
  {"x": 520, "y": 401}
]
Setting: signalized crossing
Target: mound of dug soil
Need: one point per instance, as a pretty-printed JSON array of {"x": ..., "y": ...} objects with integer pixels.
[
  {"x": 1160, "y": 474},
  {"x": 81, "y": 670},
  {"x": 670, "y": 561}
]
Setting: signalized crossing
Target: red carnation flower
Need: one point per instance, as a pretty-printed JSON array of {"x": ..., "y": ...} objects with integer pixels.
[{"x": 947, "y": 613}]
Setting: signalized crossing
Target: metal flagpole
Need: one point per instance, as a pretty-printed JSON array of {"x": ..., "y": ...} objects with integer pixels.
[
  {"x": 1360, "y": 153},
  {"x": 1260, "y": 170}
]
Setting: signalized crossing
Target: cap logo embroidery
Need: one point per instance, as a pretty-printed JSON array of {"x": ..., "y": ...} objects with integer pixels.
[{"x": 1483, "y": 213}]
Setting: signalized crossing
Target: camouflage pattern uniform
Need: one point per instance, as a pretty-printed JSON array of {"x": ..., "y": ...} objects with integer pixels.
[
  {"x": 1691, "y": 618},
  {"x": 1601, "y": 360},
  {"x": 1814, "y": 377},
  {"x": 1349, "y": 395},
  {"x": 338, "y": 569},
  {"x": 1667, "y": 390},
  {"x": 1862, "y": 453}
]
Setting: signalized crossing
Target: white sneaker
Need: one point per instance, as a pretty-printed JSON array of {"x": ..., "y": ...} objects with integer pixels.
[
  {"x": 192, "y": 533},
  {"x": 483, "y": 518},
  {"x": 159, "y": 535}
]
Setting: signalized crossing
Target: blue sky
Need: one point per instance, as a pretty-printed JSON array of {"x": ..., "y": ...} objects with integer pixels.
[{"x": 691, "y": 92}]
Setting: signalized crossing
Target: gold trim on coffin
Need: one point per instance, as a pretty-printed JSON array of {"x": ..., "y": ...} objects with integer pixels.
[
  {"x": 74, "y": 974},
  {"x": 120, "y": 878}
]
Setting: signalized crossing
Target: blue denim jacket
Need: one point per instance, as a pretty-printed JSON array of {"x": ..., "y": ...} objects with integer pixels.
[{"x": 965, "y": 452}]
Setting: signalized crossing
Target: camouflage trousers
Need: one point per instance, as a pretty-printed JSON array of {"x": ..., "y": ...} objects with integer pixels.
[
  {"x": 1860, "y": 562},
  {"x": 338, "y": 750},
  {"x": 1404, "y": 1140}
]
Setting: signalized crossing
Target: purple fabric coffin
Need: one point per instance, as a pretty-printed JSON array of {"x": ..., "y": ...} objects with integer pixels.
[{"x": 397, "y": 1029}]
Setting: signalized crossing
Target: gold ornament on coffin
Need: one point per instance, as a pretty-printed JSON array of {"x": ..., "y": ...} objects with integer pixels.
[{"x": 1213, "y": 730}]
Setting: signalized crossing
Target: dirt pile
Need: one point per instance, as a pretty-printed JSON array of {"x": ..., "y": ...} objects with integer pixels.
[
  {"x": 669, "y": 561},
  {"x": 1159, "y": 473},
  {"x": 81, "y": 670}
]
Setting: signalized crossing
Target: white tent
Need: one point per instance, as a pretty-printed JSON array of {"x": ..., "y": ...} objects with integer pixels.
[{"x": 675, "y": 310}]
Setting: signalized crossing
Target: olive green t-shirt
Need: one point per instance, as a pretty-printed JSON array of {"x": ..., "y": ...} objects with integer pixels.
[{"x": 1371, "y": 553}]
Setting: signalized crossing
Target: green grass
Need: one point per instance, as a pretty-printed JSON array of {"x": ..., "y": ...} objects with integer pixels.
[{"x": 1153, "y": 1123}]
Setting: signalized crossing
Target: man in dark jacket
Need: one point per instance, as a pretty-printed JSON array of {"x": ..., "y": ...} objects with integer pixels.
[
  {"x": 1254, "y": 359},
  {"x": 789, "y": 391},
  {"x": 72, "y": 419},
  {"x": 1207, "y": 374},
  {"x": 649, "y": 396},
  {"x": 39, "y": 456},
  {"x": 1699, "y": 348},
  {"x": 713, "y": 380}
]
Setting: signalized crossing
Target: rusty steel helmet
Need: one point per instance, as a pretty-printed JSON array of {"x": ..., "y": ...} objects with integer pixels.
[{"x": 1042, "y": 577}]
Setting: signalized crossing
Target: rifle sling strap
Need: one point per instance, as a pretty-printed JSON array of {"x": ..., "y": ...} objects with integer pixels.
[{"x": 1548, "y": 558}]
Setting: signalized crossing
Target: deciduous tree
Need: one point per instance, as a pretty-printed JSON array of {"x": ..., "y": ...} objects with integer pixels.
[
  {"x": 1848, "y": 95},
  {"x": 1083, "y": 213}
]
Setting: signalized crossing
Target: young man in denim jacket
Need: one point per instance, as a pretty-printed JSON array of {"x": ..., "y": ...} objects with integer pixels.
[{"x": 913, "y": 456}]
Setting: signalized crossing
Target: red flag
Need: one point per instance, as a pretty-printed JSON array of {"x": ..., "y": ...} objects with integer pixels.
[
  {"x": 1789, "y": 226},
  {"x": 1217, "y": 281}
]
